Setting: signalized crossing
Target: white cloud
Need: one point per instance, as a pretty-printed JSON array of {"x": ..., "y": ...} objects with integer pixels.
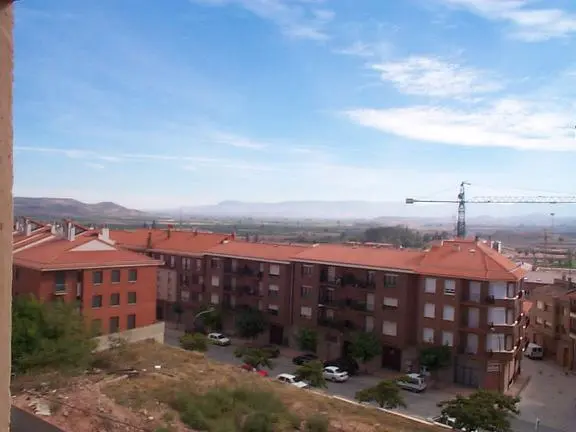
[
  {"x": 429, "y": 76},
  {"x": 529, "y": 23},
  {"x": 300, "y": 19},
  {"x": 236, "y": 141},
  {"x": 505, "y": 123},
  {"x": 367, "y": 50},
  {"x": 95, "y": 166}
]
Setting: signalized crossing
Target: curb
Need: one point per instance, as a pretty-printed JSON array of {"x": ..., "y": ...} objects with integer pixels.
[{"x": 520, "y": 389}]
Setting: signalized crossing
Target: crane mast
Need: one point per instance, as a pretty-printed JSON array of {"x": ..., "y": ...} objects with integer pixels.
[{"x": 461, "y": 201}]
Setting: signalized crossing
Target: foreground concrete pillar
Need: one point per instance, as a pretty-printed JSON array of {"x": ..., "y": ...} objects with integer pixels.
[{"x": 6, "y": 221}]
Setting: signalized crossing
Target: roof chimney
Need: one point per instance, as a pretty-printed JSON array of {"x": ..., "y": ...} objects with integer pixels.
[
  {"x": 476, "y": 238},
  {"x": 27, "y": 227},
  {"x": 105, "y": 233},
  {"x": 233, "y": 236},
  {"x": 149, "y": 240},
  {"x": 195, "y": 232},
  {"x": 70, "y": 231}
]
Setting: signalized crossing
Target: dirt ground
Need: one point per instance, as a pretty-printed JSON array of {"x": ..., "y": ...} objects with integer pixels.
[{"x": 114, "y": 399}]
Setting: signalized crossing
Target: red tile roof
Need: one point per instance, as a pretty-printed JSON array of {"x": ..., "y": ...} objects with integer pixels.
[
  {"x": 179, "y": 242},
  {"x": 361, "y": 256},
  {"x": 84, "y": 252},
  {"x": 258, "y": 251},
  {"x": 468, "y": 259}
]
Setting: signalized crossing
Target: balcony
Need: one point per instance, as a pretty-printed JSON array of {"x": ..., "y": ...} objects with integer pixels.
[
  {"x": 350, "y": 280},
  {"x": 340, "y": 325},
  {"x": 245, "y": 271},
  {"x": 59, "y": 289},
  {"x": 359, "y": 305},
  {"x": 328, "y": 302}
]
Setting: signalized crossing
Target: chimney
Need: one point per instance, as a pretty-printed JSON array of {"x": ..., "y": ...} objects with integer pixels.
[
  {"x": 233, "y": 236},
  {"x": 54, "y": 229},
  {"x": 105, "y": 233},
  {"x": 476, "y": 238},
  {"x": 70, "y": 231},
  {"x": 149, "y": 240},
  {"x": 195, "y": 232},
  {"x": 27, "y": 227},
  {"x": 168, "y": 232}
]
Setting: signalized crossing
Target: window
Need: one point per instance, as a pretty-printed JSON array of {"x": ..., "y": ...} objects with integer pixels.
[
  {"x": 539, "y": 320},
  {"x": 473, "y": 317},
  {"x": 198, "y": 264},
  {"x": 540, "y": 304},
  {"x": 97, "y": 277},
  {"x": 214, "y": 263},
  {"x": 390, "y": 302},
  {"x": 448, "y": 313},
  {"x": 274, "y": 270},
  {"x": 261, "y": 267},
  {"x": 273, "y": 309},
  {"x": 495, "y": 342},
  {"x": 215, "y": 281},
  {"x": 369, "y": 323},
  {"x": 131, "y": 321},
  {"x": 114, "y": 299},
  {"x": 132, "y": 275},
  {"x": 96, "y": 327},
  {"x": 273, "y": 290},
  {"x": 132, "y": 297},
  {"x": 430, "y": 286},
  {"x": 184, "y": 296},
  {"x": 306, "y": 312},
  {"x": 430, "y": 310},
  {"x": 547, "y": 324},
  {"x": 305, "y": 291},
  {"x": 60, "y": 281},
  {"x": 511, "y": 290},
  {"x": 496, "y": 316},
  {"x": 96, "y": 301},
  {"x": 428, "y": 335},
  {"x": 497, "y": 290},
  {"x": 114, "y": 324},
  {"x": 447, "y": 338},
  {"x": 214, "y": 299},
  {"x": 233, "y": 265},
  {"x": 546, "y": 307},
  {"x": 172, "y": 260},
  {"x": 370, "y": 301},
  {"x": 474, "y": 291},
  {"x": 307, "y": 270},
  {"x": 471, "y": 343},
  {"x": 389, "y": 328},
  {"x": 390, "y": 280},
  {"x": 331, "y": 274},
  {"x": 329, "y": 313},
  {"x": 450, "y": 287},
  {"x": 115, "y": 276},
  {"x": 371, "y": 275}
]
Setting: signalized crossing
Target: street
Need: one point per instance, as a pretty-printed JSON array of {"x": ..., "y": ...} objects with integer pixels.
[{"x": 422, "y": 405}]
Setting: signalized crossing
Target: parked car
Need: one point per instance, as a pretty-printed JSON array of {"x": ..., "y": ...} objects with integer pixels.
[
  {"x": 346, "y": 364},
  {"x": 335, "y": 374},
  {"x": 447, "y": 422},
  {"x": 218, "y": 339},
  {"x": 292, "y": 380},
  {"x": 249, "y": 368},
  {"x": 413, "y": 382},
  {"x": 304, "y": 358}
]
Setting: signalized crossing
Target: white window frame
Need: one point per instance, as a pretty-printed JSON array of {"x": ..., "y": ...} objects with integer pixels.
[
  {"x": 215, "y": 281},
  {"x": 274, "y": 269},
  {"x": 430, "y": 285},
  {"x": 306, "y": 312},
  {"x": 429, "y": 310},
  {"x": 428, "y": 335},
  {"x": 390, "y": 328},
  {"x": 369, "y": 319},
  {"x": 472, "y": 347},
  {"x": 448, "y": 338},
  {"x": 214, "y": 299},
  {"x": 449, "y": 287},
  {"x": 390, "y": 302},
  {"x": 446, "y": 316}
]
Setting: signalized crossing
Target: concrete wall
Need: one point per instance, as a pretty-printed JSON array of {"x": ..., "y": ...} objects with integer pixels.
[
  {"x": 154, "y": 331},
  {"x": 6, "y": 179}
]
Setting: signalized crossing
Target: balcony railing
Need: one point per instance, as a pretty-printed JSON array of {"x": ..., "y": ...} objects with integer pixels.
[
  {"x": 336, "y": 324},
  {"x": 59, "y": 289}
]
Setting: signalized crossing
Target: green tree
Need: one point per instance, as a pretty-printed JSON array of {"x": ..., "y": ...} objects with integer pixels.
[
  {"x": 51, "y": 334},
  {"x": 312, "y": 372},
  {"x": 307, "y": 339},
  {"x": 194, "y": 342},
  {"x": 250, "y": 323},
  {"x": 254, "y": 357},
  {"x": 212, "y": 320},
  {"x": 386, "y": 394},
  {"x": 483, "y": 410},
  {"x": 436, "y": 358},
  {"x": 365, "y": 347}
]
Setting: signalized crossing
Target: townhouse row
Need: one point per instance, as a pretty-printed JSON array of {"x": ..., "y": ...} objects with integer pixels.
[{"x": 459, "y": 293}]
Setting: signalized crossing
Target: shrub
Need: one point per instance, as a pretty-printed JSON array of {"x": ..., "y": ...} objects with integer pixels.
[
  {"x": 194, "y": 342},
  {"x": 317, "y": 423},
  {"x": 258, "y": 421}
]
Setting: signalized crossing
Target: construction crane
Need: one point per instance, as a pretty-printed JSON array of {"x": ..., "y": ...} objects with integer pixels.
[{"x": 462, "y": 201}]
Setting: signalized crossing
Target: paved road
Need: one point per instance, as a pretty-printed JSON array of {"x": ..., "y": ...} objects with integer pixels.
[
  {"x": 423, "y": 405},
  {"x": 22, "y": 421}
]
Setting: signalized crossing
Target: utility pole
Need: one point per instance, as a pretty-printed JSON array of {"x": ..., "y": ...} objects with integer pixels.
[{"x": 6, "y": 215}]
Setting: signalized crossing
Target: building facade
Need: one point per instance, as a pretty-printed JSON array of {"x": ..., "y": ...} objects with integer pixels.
[{"x": 115, "y": 289}]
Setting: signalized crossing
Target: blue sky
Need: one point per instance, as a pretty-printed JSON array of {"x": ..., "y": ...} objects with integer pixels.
[{"x": 156, "y": 104}]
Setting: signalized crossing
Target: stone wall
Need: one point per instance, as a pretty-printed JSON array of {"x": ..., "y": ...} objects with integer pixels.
[{"x": 154, "y": 331}]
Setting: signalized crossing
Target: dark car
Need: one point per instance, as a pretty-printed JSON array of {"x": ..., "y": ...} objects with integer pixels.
[
  {"x": 304, "y": 358},
  {"x": 346, "y": 364}
]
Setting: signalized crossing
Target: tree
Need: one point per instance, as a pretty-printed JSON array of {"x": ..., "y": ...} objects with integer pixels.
[
  {"x": 312, "y": 372},
  {"x": 483, "y": 410},
  {"x": 194, "y": 342},
  {"x": 435, "y": 358},
  {"x": 307, "y": 339},
  {"x": 212, "y": 320},
  {"x": 365, "y": 347},
  {"x": 386, "y": 394},
  {"x": 51, "y": 334},
  {"x": 250, "y": 323},
  {"x": 254, "y": 357}
]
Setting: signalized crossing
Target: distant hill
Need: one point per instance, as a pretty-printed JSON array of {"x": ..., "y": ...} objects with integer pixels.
[{"x": 66, "y": 207}]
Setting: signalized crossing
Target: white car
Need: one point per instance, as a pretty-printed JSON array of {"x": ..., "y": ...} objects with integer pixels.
[
  {"x": 218, "y": 339},
  {"x": 334, "y": 373},
  {"x": 292, "y": 380}
]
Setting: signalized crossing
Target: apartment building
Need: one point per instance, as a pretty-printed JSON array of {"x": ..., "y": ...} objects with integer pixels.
[
  {"x": 553, "y": 320},
  {"x": 115, "y": 288},
  {"x": 180, "y": 280},
  {"x": 256, "y": 275}
]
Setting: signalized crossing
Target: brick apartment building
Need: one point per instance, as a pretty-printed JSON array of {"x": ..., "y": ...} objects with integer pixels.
[
  {"x": 461, "y": 293},
  {"x": 114, "y": 287},
  {"x": 552, "y": 316}
]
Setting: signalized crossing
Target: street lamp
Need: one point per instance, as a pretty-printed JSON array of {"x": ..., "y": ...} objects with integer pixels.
[{"x": 199, "y": 314}]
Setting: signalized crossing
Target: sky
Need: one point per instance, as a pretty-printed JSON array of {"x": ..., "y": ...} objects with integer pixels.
[{"x": 162, "y": 104}]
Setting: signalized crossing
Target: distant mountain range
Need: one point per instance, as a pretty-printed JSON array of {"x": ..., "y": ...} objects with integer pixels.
[{"x": 47, "y": 208}]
